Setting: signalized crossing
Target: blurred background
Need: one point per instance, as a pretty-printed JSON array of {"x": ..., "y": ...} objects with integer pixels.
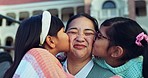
[{"x": 12, "y": 12}]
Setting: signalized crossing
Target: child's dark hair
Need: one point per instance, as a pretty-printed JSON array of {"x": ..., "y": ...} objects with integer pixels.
[
  {"x": 94, "y": 21},
  {"x": 123, "y": 32}
]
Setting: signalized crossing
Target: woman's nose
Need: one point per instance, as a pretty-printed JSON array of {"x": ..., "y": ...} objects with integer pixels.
[{"x": 80, "y": 38}]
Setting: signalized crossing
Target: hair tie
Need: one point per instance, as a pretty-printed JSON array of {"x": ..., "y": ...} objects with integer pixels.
[
  {"x": 140, "y": 37},
  {"x": 46, "y": 19}
]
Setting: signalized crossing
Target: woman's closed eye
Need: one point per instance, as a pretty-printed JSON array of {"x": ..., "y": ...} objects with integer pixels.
[
  {"x": 89, "y": 33},
  {"x": 86, "y": 32},
  {"x": 73, "y": 32}
]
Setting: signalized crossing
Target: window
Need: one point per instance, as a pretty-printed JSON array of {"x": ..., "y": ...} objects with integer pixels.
[
  {"x": 10, "y": 15},
  {"x": 109, "y": 5},
  {"x": 23, "y": 15},
  {"x": 1, "y": 21},
  {"x": 9, "y": 42},
  {"x": 67, "y": 13},
  {"x": 54, "y": 12},
  {"x": 80, "y": 9},
  {"x": 37, "y": 12},
  {"x": 140, "y": 8},
  {"x": 109, "y": 10},
  {"x": 0, "y": 42}
]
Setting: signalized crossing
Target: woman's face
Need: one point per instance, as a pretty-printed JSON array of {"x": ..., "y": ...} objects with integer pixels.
[
  {"x": 63, "y": 41},
  {"x": 101, "y": 43},
  {"x": 81, "y": 33}
]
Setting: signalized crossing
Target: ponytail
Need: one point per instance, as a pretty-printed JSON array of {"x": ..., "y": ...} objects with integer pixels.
[{"x": 145, "y": 63}]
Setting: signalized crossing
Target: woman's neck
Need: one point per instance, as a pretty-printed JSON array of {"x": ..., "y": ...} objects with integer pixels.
[{"x": 75, "y": 65}]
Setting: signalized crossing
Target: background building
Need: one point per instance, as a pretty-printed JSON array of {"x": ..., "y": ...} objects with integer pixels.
[
  {"x": 100, "y": 9},
  {"x": 134, "y": 9},
  {"x": 22, "y": 9}
]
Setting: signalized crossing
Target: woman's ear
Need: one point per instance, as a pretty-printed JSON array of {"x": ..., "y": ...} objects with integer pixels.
[
  {"x": 50, "y": 41},
  {"x": 116, "y": 51}
]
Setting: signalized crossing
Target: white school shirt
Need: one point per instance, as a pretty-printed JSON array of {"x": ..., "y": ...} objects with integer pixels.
[{"x": 83, "y": 72}]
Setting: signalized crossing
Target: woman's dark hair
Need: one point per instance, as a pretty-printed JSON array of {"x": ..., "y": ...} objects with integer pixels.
[
  {"x": 123, "y": 32},
  {"x": 28, "y": 36},
  {"x": 94, "y": 21}
]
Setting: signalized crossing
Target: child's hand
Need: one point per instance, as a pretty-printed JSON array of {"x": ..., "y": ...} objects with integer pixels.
[{"x": 116, "y": 76}]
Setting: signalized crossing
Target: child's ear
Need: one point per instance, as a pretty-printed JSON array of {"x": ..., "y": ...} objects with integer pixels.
[
  {"x": 50, "y": 41},
  {"x": 117, "y": 51}
]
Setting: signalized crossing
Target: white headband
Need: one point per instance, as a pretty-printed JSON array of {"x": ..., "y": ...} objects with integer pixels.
[{"x": 46, "y": 19}]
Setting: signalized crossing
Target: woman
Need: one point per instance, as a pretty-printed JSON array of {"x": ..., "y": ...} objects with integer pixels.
[{"x": 81, "y": 29}]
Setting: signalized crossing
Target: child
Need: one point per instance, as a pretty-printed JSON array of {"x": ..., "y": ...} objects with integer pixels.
[
  {"x": 38, "y": 40},
  {"x": 119, "y": 47}
]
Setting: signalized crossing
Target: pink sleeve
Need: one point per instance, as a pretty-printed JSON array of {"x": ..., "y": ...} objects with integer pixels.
[{"x": 49, "y": 64}]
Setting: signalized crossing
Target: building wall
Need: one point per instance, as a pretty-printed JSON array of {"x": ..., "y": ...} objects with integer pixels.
[
  {"x": 101, "y": 14},
  {"x": 87, "y": 6},
  {"x": 14, "y": 2},
  {"x": 142, "y": 18},
  {"x": 124, "y": 8},
  {"x": 131, "y": 9}
]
